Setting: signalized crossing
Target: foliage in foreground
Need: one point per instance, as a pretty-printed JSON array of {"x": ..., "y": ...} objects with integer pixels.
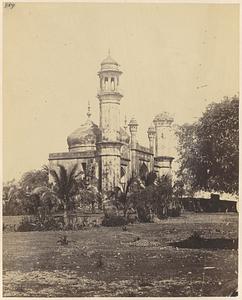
[
  {"x": 140, "y": 200},
  {"x": 152, "y": 197},
  {"x": 113, "y": 221},
  {"x": 209, "y": 149}
]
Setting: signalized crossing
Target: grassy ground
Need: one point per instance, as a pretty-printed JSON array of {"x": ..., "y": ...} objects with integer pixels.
[{"x": 113, "y": 262}]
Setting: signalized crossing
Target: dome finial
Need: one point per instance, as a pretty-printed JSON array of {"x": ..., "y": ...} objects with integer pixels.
[
  {"x": 89, "y": 110},
  {"x": 108, "y": 51},
  {"x": 125, "y": 122}
]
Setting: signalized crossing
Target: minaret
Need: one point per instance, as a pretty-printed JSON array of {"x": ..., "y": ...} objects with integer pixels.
[
  {"x": 151, "y": 136},
  {"x": 133, "y": 128},
  {"x": 163, "y": 143},
  {"x": 125, "y": 123},
  {"x": 89, "y": 110},
  {"x": 109, "y": 103}
]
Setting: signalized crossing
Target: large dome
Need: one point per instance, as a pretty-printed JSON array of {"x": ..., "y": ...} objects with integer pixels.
[{"x": 84, "y": 138}]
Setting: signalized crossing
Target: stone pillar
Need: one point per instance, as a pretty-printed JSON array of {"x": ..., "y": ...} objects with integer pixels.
[
  {"x": 151, "y": 136},
  {"x": 110, "y": 166},
  {"x": 163, "y": 143},
  {"x": 133, "y": 128}
]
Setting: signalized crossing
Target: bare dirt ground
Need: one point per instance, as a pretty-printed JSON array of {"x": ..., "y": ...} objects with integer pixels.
[{"x": 112, "y": 262}]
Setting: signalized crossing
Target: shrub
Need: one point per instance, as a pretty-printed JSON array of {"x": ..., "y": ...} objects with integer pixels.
[
  {"x": 195, "y": 236},
  {"x": 144, "y": 214},
  {"x": 34, "y": 224},
  {"x": 113, "y": 221},
  {"x": 28, "y": 224}
]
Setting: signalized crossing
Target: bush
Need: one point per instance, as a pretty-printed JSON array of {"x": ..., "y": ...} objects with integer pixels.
[
  {"x": 28, "y": 224},
  {"x": 132, "y": 218},
  {"x": 113, "y": 221},
  {"x": 144, "y": 215},
  {"x": 35, "y": 224},
  {"x": 53, "y": 223}
]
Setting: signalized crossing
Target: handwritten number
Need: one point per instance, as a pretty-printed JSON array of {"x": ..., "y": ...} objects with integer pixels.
[{"x": 9, "y": 5}]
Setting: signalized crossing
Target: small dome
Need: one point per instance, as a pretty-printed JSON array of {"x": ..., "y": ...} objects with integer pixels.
[
  {"x": 164, "y": 117},
  {"x": 151, "y": 130},
  {"x": 109, "y": 64},
  {"x": 133, "y": 121},
  {"x": 84, "y": 137},
  {"x": 124, "y": 136},
  {"x": 109, "y": 61}
]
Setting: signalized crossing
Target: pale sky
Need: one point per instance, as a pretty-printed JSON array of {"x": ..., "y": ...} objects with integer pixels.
[{"x": 174, "y": 57}]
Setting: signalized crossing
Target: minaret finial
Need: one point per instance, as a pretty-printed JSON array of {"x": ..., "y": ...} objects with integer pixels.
[
  {"x": 89, "y": 110},
  {"x": 125, "y": 122}
]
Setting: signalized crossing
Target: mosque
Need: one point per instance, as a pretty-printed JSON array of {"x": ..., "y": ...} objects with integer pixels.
[{"x": 109, "y": 154}]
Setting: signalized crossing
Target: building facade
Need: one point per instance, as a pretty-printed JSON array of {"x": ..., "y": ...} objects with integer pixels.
[{"x": 109, "y": 154}]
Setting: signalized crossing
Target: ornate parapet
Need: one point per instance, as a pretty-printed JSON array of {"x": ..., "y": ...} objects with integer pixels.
[
  {"x": 72, "y": 155},
  {"x": 164, "y": 158},
  {"x": 142, "y": 149}
]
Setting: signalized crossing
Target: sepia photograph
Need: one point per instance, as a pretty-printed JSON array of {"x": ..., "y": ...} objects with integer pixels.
[{"x": 120, "y": 149}]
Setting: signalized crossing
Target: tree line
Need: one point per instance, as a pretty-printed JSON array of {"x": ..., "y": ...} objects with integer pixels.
[{"x": 208, "y": 160}]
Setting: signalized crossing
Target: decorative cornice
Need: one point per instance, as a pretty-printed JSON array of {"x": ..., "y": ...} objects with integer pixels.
[
  {"x": 142, "y": 149},
  {"x": 109, "y": 93},
  {"x": 110, "y": 71},
  {"x": 72, "y": 155},
  {"x": 164, "y": 158},
  {"x": 109, "y": 143}
]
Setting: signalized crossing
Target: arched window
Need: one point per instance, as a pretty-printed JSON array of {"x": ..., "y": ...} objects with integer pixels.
[
  {"x": 106, "y": 83},
  {"x": 122, "y": 172},
  {"x": 112, "y": 84},
  {"x": 143, "y": 171}
]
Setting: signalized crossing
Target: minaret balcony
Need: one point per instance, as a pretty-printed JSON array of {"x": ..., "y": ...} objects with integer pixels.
[{"x": 116, "y": 92}]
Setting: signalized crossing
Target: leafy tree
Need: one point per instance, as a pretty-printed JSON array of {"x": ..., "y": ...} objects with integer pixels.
[
  {"x": 163, "y": 197},
  {"x": 179, "y": 188},
  {"x": 209, "y": 149},
  {"x": 43, "y": 201},
  {"x": 15, "y": 199},
  {"x": 35, "y": 178}
]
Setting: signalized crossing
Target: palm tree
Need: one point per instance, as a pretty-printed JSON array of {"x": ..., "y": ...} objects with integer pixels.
[
  {"x": 122, "y": 196},
  {"x": 65, "y": 186}
]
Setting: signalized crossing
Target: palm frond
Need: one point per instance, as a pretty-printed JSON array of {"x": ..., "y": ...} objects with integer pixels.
[
  {"x": 72, "y": 173},
  {"x": 63, "y": 177},
  {"x": 129, "y": 184},
  {"x": 45, "y": 169},
  {"x": 71, "y": 181},
  {"x": 55, "y": 176}
]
